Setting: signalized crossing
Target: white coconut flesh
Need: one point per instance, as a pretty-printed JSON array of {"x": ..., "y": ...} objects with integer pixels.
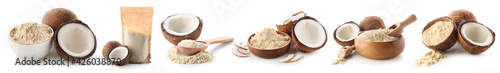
[
  {"x": 347, "y": 32},
  {"x": 119, "y": 53},
  {"x": 310, "y": 33},
  {"x": 477, "y": 34},
  {"x": 181, "y": 24},
  {"x": 76, "y": 39},
  {"x": 293, "y": 18}
]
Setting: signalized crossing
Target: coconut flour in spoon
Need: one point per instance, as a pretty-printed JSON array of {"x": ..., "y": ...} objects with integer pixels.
[{"x": 200, "y": 57}]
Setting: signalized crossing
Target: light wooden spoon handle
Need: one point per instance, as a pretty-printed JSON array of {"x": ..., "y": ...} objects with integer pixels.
[
  {"x": 219, "y": 40},
  {"x": 399, "y": 29}
]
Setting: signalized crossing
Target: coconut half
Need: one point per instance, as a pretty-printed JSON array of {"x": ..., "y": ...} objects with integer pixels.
[
  {"x": 287, "y": 24},
  {"x": 371, "y": 22},
  {"x": 445, "y": 44},
  {"x": 308, "y": 34},
  {"x": 179, "y": 27},
  {"x": 344, "y": 34},
  {"x": 119, "y": 55},
  {"x": 474, "y": 37},
  {"x": 75, "y": 40}
]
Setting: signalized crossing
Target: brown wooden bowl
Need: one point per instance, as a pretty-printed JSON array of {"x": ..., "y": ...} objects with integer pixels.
[
  {"x": 379, "y": 50},
  {"x": 449, "y": 41},
  {"x": 269, "y": 53}
]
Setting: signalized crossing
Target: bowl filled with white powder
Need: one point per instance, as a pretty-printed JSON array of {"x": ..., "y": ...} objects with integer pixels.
[{"x": 31, "y": 40}]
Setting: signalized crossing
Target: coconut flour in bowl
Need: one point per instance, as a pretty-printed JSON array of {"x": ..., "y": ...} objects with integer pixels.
[
  {"x": 268, "y": 39},
  {"x": 378, "y": 35},
  {"x": 31, "y": 33}
]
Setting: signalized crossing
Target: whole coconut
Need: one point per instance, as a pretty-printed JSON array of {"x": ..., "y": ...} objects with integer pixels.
[
  {"x": 372, "y": 22},
  {"x": 462, "y": 15},
  {"x": 57, "y": 16}
]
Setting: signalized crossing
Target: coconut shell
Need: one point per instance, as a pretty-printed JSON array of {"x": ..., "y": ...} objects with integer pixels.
[
  {"x": 300, "y": 46},
  {"x": 175, "y": 39},
  {"x": 449, "y": 41},
  {"x": 287, "y": 28},
  {"x": 462, "y": 15},
  {"x": 372, "y": 22},
  {"x": 269, "y": 53},
  {"x": 468, "y": 46},
  {"x": 65, "y": 55},
  {"x": 344, "y": 43},
  {"x": 57, "y": 16},
  {"x": 108, "y": 47}
]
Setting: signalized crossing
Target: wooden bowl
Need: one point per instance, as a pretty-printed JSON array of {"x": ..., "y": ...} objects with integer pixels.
[
  {"x": 269, "y": 53},
  {"x": 379, "y": 50},
  {"x": 449, "y": 41}
]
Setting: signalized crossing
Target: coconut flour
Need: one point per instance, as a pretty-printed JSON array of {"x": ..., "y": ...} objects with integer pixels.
[
  {"x": 201, "y": 57},
  {"x": 430, "y": 58},
  {"x": 437, "y": 33},
  {"x": 268, "y": 39},
  {"x": 31, "y": 33},
  {"x": 341, "y": 59},
  {"x": 191, "y": 44},
  {"x": 379, "y": 35}
]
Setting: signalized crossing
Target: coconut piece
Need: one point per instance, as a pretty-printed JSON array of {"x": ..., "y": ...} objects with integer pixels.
[
  {"x": 308, "y": 34},
  {"x": 296, "y": 58},
  {"x": 474, "y": 37},
  {"x": 57, "y": 16},
  {"x": 344, "y": 34},
  {"x": 288, "y": 58},
  {"x": 240, "y": 44},
  {"x": 287, "y": 24},
  {"x": 237, "y": 53},
  {"x": 462, "y": 15},
  {"x": 371, "y": 22},
  {"x": 180, "y": 27},
  {"x": 447, "y": 41},
  {"x": 75, "y": 40},
  {"x": 243, "y": 51}
]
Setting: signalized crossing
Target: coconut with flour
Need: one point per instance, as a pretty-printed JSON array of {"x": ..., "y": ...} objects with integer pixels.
[
  {"x": 379, "y": 35},
  {"x": 201, "y": 57},
  {"x": 191, "y": 44},
  {"x": 437, "y": 33},
  {"x": 31, "y": 33},
  {"x": 268, "y": 39}
]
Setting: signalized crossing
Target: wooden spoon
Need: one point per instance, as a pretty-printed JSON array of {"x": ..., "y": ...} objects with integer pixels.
[
  {"x": 345, "y": 54},
  {"x": 400, "y": 26},
  {"x": 192, "y": 51}
]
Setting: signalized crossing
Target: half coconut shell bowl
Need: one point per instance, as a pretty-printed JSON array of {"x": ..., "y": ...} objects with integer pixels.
[
  {"x": 269, "y": 53},
  {"x": 379, "y": 50},
  {"x": 474, "y": 37},
  {"x": 450, "y": 40},
  {"x": 178, "y": 27}
]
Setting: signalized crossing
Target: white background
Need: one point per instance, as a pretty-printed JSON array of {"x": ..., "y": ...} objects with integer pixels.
[{"x": 240, "y": 18}]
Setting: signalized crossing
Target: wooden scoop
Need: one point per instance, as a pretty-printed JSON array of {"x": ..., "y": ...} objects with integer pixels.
[
  {"x": 192, "y": 51},
  {"x": 347, "y": 52},
  {"x": 401, "y": 25}
]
